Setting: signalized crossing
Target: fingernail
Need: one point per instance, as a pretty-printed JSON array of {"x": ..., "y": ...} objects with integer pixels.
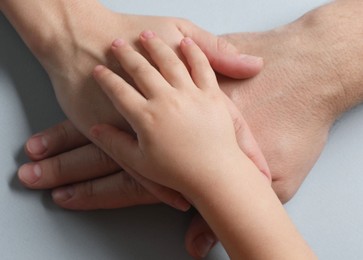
[
  {"x": 147, "y": 34},
  {"x": 188, "y": 41},
  {"x": 94, "y": 132},
  {"x": 204, "y": 243},
  {"x": 118, "y": 42},
  {"x": 99, "y": 68},
  {"x": 63, "y": 194},
  {"x": 251, "y": 59},
  {"x": 37, "y": 145},
  {"x": 30, "y": 173},
  {"x": 182, "y": 204}
]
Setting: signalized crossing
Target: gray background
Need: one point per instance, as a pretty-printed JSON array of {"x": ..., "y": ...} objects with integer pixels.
[{"x": 328, "y": 209}]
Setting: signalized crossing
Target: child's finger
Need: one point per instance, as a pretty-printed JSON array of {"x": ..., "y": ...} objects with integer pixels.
[
  {"x": 147, "y": 78},
  {"x": 119, "y": 145},
  {"x": 201, "y": 71},
  {"x": 164, "y": 194},
  {"x": 124, "y": 150},
  {"x": 169, "y": 64},
  {"x": 124, "y": 97},
  {"x": 246, "y": 140}
]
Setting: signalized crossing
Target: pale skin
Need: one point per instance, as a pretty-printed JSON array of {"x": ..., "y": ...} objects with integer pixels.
[
  {"x": 199, "y": 154},
  {"x": 60, "y": 14},
  {"x": 58, "y": 34},
  {"x": 293, "y": 120}
]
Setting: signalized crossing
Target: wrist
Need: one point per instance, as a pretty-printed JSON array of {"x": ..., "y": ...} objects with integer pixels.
[
  {"x": 242, "y": 210},
  {"x": 336, "y": 30},
  {"x": 48, "y": 25},
  {"x": 210, "y": 187}
]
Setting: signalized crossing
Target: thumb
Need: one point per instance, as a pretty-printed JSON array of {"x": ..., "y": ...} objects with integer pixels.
[
  {"x": 222, "y": 55},
  {"x": 119, "y": 145},
  {"x": 246, "y": 140}
]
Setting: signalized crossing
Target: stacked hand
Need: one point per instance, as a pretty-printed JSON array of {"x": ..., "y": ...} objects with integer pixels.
[
  {"x": 289, "y": 106},
  {"x": 184, "y": 131}
]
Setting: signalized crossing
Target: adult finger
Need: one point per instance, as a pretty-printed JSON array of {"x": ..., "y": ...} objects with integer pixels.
[
  {"x": 246, "y": 140},
  {"x": 200, "y": 238},
  {"x": 80, "y": 164},
  {"x": 127, "y": 101},
  {"x": 222, "y": 55},
  {"x": 124, "y": 149},
  {"x": 114, "y": 191},
  {"x": 54, "y": 140}
]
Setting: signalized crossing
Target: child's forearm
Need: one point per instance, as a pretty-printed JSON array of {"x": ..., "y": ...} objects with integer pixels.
[{"x": 248, "y": 218}]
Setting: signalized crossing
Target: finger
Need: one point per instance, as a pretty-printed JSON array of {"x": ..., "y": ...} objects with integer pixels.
[
  {"x": 199, "y": 239},
  {"x": 84, "y": 163},
  {"x": 119, "y": 145},
  {"x": 113, "y": 191},
  {"x": 162, "y": 193},
  {"x": 124, "y": 149},
  {"x": 125, "y": 98},
  {"x": 169, "y": 64},
  {"x": 201, "y": 71},
  {"x": 222, "y": 55},
  {"x": 246, "y": 140},
  {"x": 57, "y": 139},
  {"x": 148, "y": 80}
]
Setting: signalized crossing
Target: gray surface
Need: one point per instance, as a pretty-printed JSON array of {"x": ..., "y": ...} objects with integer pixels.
[{"x": 327, "y": 210}]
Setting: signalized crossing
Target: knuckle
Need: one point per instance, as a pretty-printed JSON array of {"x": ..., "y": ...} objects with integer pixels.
[
  {"x": 173, "y": 63},
  {"x": 105, "y": 73},
  {"x": 140, "y": 69},
  {"x": 87, "y": 189},
  {"x": 62, "y": 134},
  {"x": 183, "y": 21},
  {"x": 224, "y": 46},
  {"x": 56, "y": 165},
  {"x": 184, "y": 25},
  {"x": 130, "y": 186}
]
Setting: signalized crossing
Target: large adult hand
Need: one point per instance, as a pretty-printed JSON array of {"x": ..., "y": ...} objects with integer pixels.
[
  {"x": 70, "y": 53},
  {"x": 311, "y": 76},
  {"x": 309, "y": 82},
  {"x": 85, "y": 46}
]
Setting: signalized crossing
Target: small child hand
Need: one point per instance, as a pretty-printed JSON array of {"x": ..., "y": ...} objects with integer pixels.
[{"x": 185, "y": 133}]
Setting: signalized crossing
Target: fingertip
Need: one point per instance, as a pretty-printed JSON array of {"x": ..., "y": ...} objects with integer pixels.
[
  {"x": 95, "y": 131},
  {"x": 254, "y": 62},
  {"x": 187, "y": 41},
  {"x": 118, "y": 43},
  {"x": 147, "y": 34},
  {"x": 242, "y": 67},
  {"x": 98, "y": 69},
  {"x": 29, "y": 174},
  {"x": 63, "y": 194},
  {"x": 203, "y": 244},
  {"x": 199, "y": 239},
  {"x": 36, "y": 146}
]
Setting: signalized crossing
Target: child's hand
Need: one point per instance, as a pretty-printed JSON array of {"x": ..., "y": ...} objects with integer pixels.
[{"x": 185, "y": 133}]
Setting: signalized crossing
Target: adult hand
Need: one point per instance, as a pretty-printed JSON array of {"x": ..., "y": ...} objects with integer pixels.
[
  {"x": 312, "y": 75},
  {"x": 69, "y": 48}
]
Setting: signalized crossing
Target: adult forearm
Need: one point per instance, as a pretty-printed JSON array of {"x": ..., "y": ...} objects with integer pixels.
[
  {"x": 42, "y": 23},
  {"x": 69, "y": 38},
  {"x": 338, "y": 30},
  {"x": 248, "y": 218}
]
